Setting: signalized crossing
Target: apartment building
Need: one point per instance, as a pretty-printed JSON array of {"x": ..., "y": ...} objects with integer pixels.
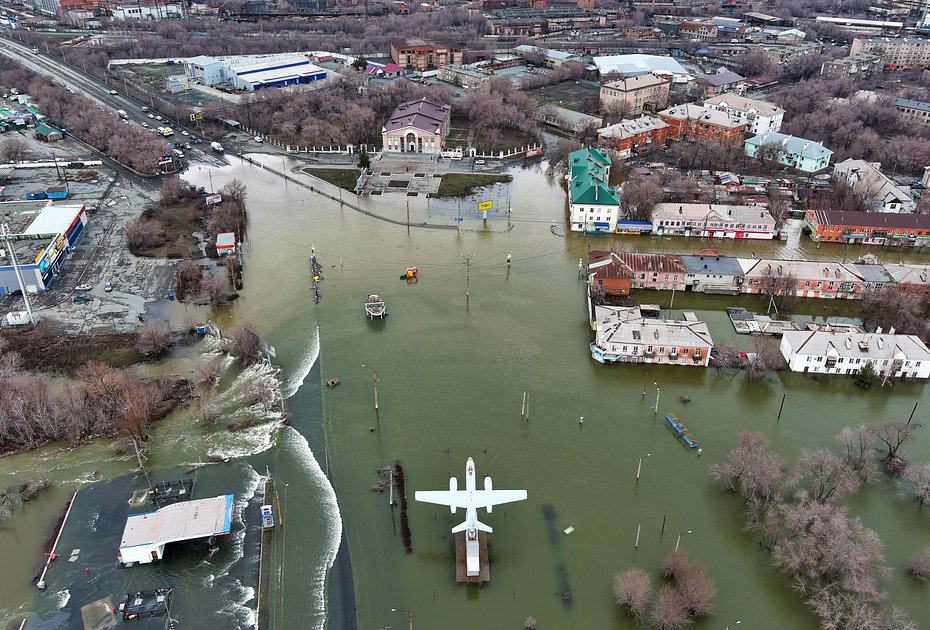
[
  {"x": 696, "y": 123},
  {"x": 897, "y": 53},
  {"x": 759, "y": 116},
  {"x": 635, "y": 95}
]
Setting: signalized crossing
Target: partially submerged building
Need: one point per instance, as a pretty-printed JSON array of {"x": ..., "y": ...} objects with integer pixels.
[
  {"x": 593, "y": 205},
  {"x": 623, "y": 335},
  {"x": 827, "y": 352},
  {"x": 146, "y": 535}
]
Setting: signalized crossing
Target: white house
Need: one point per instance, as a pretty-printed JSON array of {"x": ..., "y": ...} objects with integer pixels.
[
  {"x": 760, "y": 116},
  {"x": 879, "y": 193},
  {"x": 593, "y": 205},
  {"x": 713, "y": 221},
  {"x": 827, "y": 352},
  {"x": 801, "y": 154}
]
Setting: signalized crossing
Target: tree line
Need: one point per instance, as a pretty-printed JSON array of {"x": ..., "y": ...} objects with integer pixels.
[
  {"x": 128, "y": 144},
  {"x": 835, "y": 563}
]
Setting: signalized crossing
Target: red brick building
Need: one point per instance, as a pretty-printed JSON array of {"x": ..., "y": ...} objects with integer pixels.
[
  {"x": 870, "y": 228},
  {"x": 587, "y": 5},
  {"x": 608, "y": 272},
  {"x": 693, "y": 122},
  {"x": 629, "y": 137},
  {"x": 421, "y": 54}
]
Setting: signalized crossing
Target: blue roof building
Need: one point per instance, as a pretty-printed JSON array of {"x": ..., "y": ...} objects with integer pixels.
[{"x": 798, "y": 153}]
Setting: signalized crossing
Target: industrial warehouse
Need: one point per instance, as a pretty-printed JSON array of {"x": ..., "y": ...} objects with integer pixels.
[
  {"x": 252, "y": 73},
  {"x": 41, "y": 234}
]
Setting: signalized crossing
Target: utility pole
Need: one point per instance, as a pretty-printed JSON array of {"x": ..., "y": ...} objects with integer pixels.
[
  {"x": 408, "y": 216},
  {"x": 467, "y": 258},
  {"x": 5, "y": 233}
]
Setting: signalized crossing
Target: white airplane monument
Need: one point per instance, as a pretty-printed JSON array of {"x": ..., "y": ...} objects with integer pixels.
[{"x": 471, "y": 499}]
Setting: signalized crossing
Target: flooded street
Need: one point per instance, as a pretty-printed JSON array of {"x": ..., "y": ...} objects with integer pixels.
[{"x": 451, "y": 370}]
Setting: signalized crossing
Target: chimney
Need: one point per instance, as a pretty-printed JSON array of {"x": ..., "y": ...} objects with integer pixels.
[
  {"x": 848, "y": 343},
  {"x": 679, "y": 209},
  {"x": 891, "y": 330},
  {"x": 881, "y": 343}
]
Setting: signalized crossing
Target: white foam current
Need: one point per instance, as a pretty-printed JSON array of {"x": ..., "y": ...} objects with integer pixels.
[
  {"x": 306, "y": 364},
  {"x": 329, "y": 508}
]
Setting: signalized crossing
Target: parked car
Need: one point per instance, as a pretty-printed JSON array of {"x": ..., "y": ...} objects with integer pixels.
[
  {"x": 82, "y": 287},
  {"x": 158, "y": 118},
  {"x": 258, "y": 139},
  {"x": 113, "y": 92},
  {"x": 82, "y": 298},
  {"x": 108, "y": 287},
  {"x": 151, "y": 115},
  {"x": 185, "y": 133}
]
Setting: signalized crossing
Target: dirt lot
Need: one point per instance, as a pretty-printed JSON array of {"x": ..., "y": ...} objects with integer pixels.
[
  {"x": 100, "y": 256},
  {"x": 570, "y": 95}
]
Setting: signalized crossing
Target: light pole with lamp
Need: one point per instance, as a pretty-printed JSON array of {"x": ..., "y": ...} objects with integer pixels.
[
  {"x": 374, "y": 378},
  {"x": 678, "y": 542},
  {"x": 409, "y": 617},
  {"x": 735, "y": 623},
  {"x": 640, "y": 467},
  {"x": 657, "y": 397}
]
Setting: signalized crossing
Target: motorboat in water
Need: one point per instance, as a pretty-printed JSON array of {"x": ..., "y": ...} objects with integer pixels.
[{"x": 375, "y": 307}]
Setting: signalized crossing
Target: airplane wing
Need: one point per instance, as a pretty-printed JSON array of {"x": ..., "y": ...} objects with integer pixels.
[
  {"x": 490, "y": 498},
  {"x": 441, "y": 497}
]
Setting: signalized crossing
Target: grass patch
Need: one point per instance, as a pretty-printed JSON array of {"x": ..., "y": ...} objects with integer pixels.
[
  {"x": 464, "y": 184},
  {"x": 342, "y": 177},
  {"x": 177, "y": 223},
  {"x": 45, "y": 349}
]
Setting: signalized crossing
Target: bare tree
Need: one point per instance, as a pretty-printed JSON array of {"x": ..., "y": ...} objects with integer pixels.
[
  {"x": 173, "y": 190},
  {"x": 154, "y": 338},
  {"x": 919, "y": 476},
  {"x": 823, "y": 548},
  {"x": 245, "y": 344},
  {"x": 893, "y": 308},
  {"x": 698, "y": 590},
  {"x": 822, "y": 476},
  {"x": 918, "y": 565},
  {"x": 856, "y": 444},
  {"x": 632, "y": 590},
  {"x": 216, "y": 288},
  {"x": 669, "y": 611},
  {"x": 207, "y": 369},
  {"x": 638, "y": 197},
  {"x": 780, "y": 211},
  {"x": 674, "y": 564},
  {"x": 765, "y": 357},
  {"x": 726, "y": 356},
  {"x": 234, "y": 191},
  {"x": 13, "y": 149},
  {"x": 893, "y": 434},
  {"x": 529, "y": 623},
  {"x": 752, "y": 469}
]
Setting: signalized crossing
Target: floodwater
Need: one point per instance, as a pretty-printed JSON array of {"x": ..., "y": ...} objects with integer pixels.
[{"x": 452, "y": 369}]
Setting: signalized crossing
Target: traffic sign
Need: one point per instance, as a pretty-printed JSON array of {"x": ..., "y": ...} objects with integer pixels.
[
  {"x": 458, "y": 219},
  {"x": 484, "y": 206}
]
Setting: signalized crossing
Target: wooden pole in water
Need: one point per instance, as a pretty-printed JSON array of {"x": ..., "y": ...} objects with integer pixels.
[
  {"x": 663, "y": 524},
  {"x": 523, "y": 410},
  {"x": 913, "y": 411},
  {"x": 527, "y": 405},
  {"x": 638, "y": 528},
  {"x": 782, "y": 406}
]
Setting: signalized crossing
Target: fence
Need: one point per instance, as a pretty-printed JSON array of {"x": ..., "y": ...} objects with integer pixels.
[{"x": 534, "y": 149}]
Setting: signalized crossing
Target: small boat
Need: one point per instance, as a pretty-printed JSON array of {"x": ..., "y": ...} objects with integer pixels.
[
  {"x": 333, "y": 382},
  {"x": 375, "y": 307}
]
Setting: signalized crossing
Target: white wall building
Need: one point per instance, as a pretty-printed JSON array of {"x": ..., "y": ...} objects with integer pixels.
[
  {"x": 147, "y": 12},
  {"x": 761, "y": 116},
  {"x": 713, "y": 221},
  {"x": 826, "y": 352},
  {"x": 879, "y": 193},
  {"x": 252, "y": 72}
]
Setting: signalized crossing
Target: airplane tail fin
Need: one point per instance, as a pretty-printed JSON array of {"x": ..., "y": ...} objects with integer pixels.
[{"x": 463, "y": 527}]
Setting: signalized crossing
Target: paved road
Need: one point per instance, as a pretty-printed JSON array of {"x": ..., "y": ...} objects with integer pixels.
[{"x": 99, "y": 92}]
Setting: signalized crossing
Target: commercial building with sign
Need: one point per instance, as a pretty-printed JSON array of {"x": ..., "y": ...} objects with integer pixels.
[{"x": 42, "y": 233}]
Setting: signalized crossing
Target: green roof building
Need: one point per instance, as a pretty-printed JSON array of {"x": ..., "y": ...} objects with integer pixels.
[{"x": 594, "y": 205}]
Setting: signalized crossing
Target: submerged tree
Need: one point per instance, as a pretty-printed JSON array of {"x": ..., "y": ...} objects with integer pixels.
[
  {"x": 893, "y": 434},
  {"x": 856, "y": 444},
  {"x": 632, "y": 590},
  {"x": 822, "y": 476},
  {"x": 919, "y": 476},
  {"x": 918, "y": 565}
]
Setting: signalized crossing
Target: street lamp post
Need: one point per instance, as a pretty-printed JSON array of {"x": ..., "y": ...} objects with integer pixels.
[
  {"x": 374, "y": 378},
  {"x": 640, "y": 467},
  {"x": 409, "y": 617},
  {"x": 678, "y": 542},
  {"x": 735, "y": 623},
  {"x": 657, "y": 397}
]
